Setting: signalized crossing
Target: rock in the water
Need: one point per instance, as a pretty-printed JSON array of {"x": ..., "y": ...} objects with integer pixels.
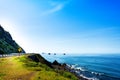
[{"x": 7, "y": 44}]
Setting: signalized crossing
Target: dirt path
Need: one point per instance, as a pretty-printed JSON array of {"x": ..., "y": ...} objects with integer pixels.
[
  {"x": 24, "y": 77},
  {"x": 12, "y": 69}
]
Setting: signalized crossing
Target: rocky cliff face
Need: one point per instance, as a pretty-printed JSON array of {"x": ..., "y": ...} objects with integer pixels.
[{"x": 7, "y": 44}]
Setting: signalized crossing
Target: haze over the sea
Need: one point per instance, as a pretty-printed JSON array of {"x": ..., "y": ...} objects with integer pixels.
[{"x": 63, "y": 26}]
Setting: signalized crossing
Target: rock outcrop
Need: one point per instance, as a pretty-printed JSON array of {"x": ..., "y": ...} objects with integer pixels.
[
  {"x": 39, "y": 58},
  {"x": 7, "y": 44}
]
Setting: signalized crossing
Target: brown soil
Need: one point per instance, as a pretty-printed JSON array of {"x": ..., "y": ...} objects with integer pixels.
[{"x": 24, "y": 77}]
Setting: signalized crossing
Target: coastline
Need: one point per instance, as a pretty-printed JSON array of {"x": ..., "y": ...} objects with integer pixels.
[
  {"x": 31, "y": 64},
  {"x": 95, "y": 71},
  {"x": 68, "y": 68},
  {"x": 82, "y": 75},
  {"x": 78, "y": 71}
]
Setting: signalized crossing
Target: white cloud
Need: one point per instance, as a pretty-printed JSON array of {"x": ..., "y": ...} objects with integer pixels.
[
  {"x": 56, "y": 7},
  {"x": 53, "y": 10}
]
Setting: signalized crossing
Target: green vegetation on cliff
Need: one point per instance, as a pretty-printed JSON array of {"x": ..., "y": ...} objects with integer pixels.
[
  {"x": 30, "y": 67},
  {"x": 7, "y": 44}
]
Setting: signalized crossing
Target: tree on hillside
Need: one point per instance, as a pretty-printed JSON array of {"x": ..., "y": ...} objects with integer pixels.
[{"x": 19, "y": 50}]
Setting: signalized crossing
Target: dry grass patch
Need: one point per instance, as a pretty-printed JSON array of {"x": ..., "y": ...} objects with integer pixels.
[{"x": 12, "y": 68}]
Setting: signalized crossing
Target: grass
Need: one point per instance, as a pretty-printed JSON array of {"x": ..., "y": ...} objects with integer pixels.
[
  {"x": 23, "y": 68},
  {"x": 12, "y": 69}
]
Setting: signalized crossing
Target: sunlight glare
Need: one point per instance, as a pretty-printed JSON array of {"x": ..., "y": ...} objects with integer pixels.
[{"x": 7, "y": 25}]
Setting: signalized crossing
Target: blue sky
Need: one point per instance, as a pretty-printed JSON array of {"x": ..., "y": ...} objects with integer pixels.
[{"x": 70, "y": 26}]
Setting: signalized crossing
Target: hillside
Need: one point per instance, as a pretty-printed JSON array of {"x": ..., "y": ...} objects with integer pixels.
[
  {"x": 7, "y": 44},
  {"x": 30, "y": 67}
]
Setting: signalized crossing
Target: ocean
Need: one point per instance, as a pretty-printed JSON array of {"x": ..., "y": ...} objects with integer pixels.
[{"x": 95, "y": 67}]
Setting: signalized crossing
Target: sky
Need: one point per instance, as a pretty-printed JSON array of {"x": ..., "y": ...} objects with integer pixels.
[{"x": 63, "y": 26}]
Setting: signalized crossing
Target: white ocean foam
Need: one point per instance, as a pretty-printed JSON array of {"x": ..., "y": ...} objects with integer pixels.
[
  {"x": 81, "y": 75},
  {"x": 96, "y": 73},
  {"x": 80, "y": 68},
  {"x": 75, "y": 66}
]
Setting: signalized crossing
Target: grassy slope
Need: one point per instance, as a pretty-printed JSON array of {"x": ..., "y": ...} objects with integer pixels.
[
  {"x": 6, "y": 47},
  {"x": 23, "y": 68}
]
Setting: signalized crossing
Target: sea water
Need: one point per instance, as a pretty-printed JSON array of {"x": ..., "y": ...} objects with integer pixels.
[{"x": 96, "y": 67}]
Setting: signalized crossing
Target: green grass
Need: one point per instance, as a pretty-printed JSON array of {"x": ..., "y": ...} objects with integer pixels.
[{"x": 22, "y": 67}]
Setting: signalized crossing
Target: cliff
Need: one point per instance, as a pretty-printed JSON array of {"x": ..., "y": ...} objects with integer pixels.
[
  {"x": 31, "y": 67},
  {"x": 7, "y": 44}
]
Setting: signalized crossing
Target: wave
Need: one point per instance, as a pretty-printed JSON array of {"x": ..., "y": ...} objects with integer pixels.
[
  {"x": 90, "y": 75},
  {"x": 104, "y": 67}
]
